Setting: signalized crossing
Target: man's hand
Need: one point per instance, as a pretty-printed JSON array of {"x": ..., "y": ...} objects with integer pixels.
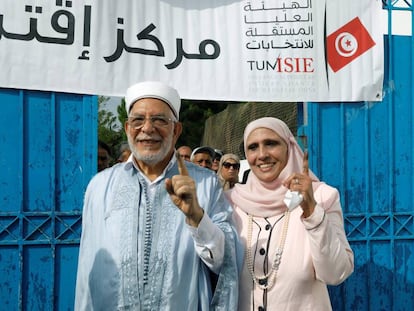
[{"x": 182, "y": 190}]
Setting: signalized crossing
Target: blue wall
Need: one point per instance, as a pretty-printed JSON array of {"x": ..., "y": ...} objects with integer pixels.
[
  {"x": 366, "y": 151},
  {"x": 47, "y": 157}
]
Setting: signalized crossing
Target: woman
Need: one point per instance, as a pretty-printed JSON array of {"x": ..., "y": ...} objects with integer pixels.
[
  {"x": 228, "y": 170},
  {"x": 291, "y": 254}
]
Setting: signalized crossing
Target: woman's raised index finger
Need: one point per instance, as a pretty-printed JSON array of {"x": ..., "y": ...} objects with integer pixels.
[
  {"x": 182, "y": 169},
  {"x": 306, "y": 162}
]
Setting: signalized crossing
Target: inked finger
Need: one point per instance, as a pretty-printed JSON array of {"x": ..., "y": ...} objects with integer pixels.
[
  {"x": 306, "y": 162},
  {"x": 182, "y": 169}
]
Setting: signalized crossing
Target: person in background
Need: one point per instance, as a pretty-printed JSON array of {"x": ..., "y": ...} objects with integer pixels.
[
  {"x": 292, "y": 225},
  {"x": 203, "y": 156},
  {"x": 154, "y": 228},
  {"x": 228, "y": 172},
  {"x": 216, "y": 159},
  {"x": 185, "y": 152},
  {"x": 245, "y": 176},
  {"x": 124, "y": 152},
  {"x": 104, "y": 153}
]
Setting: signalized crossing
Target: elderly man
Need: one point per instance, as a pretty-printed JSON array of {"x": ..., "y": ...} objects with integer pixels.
[
  {"x": 203, "y": 156},
  {"x": 154, "y": 228},
  {"x": 185, "y": 152}
]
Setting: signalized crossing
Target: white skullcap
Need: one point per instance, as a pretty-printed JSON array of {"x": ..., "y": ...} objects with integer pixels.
[
  {"x": 203, "y": 149},
  {"x": 153, "y": 89}
]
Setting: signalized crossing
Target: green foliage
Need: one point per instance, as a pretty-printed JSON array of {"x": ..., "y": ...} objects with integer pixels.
[
  {"x": 122, "y": 113},
  {"x": 109, "y": 130},
  {"x": 193, "y": 115}
]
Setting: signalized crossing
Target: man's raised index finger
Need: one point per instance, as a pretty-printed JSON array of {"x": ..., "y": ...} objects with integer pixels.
[{"x": 182, "y": 169}]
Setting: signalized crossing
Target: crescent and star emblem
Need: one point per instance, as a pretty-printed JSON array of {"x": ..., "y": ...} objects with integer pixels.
[{"x": 346, "y": 44}]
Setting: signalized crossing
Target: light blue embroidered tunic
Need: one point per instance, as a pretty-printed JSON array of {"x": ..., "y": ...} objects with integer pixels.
[{"x": 138, "y": 253}]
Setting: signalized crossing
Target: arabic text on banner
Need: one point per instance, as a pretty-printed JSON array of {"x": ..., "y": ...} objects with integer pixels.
[{"x": 256, "y": 50}]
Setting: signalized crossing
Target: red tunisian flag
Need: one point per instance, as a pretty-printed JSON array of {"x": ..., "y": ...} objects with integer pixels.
[{"x": 347, "y": 43}]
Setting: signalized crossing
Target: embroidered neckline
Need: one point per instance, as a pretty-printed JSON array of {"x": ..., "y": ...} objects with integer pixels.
[{"x": 147, "y": 230}]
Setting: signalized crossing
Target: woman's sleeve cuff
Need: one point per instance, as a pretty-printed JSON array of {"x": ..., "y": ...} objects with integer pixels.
[{"x": 315, "y": 220}]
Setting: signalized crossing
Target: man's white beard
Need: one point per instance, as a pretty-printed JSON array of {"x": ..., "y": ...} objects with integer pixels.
[{"x": 151, "y": 159}]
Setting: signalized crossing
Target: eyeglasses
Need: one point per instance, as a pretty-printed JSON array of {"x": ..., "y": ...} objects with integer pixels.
[
  {"x": 235, "y": 166},
  {"x": 137, "y": 122}
]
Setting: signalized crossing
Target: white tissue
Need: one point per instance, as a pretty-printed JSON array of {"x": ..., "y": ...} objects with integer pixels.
[{"x": 292, "y": 199}]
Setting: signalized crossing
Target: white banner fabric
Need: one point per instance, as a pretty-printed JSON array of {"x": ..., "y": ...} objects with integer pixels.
[{"x": 256, "y": 50}]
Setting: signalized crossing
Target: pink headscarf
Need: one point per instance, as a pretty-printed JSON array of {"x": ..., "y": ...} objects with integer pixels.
[{"x": 265, "y": 199}]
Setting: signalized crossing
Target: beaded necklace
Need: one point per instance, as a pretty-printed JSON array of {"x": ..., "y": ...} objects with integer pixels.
[{"x": 268, "y": 280}]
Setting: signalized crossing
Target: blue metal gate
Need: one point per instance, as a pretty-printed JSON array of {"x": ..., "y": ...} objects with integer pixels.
[
  {"x": 366, "y": 150},
  {"x": 47, "y": 157}
]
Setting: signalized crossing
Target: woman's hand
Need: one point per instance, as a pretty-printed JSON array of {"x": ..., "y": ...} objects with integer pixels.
[{"x": 302, "y": 183}]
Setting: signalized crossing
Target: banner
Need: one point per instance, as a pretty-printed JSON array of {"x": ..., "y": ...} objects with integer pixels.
[{"x": 256, "y": 50}]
